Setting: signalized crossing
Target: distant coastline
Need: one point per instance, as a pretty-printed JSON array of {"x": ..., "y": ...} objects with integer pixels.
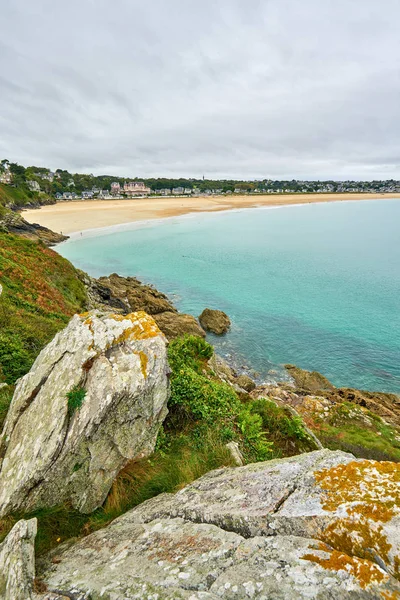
[{"x": 76, "y": 216}]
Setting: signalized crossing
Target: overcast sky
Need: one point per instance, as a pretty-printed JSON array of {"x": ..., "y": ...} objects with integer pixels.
[{"x": 226, "y": 88}]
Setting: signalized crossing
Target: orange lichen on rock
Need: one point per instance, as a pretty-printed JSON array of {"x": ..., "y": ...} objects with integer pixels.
[
  {"x": 369, "y": 493},
  {"x": 390, "y": 595},
  {"x": 143, "y": 327},
  {"x": 372, "y": 487},
  {"x": 364, "y": 571},
  {"x": 358, "y": 537},
  {"x": 143, "y": 362}
]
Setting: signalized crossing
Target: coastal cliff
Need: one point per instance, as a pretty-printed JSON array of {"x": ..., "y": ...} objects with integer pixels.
[{"x": 113, "y": 403}]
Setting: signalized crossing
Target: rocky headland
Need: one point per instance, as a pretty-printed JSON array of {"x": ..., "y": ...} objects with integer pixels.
[
  {"x": 121, "y": 435},
  {"x": 13, "y": 222}
]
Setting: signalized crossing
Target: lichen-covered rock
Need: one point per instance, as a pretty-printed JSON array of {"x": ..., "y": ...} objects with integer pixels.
[
  {"x": 57, "y": 449},
  {"x": 174, "y": 325},
  {"x": 144, "y": 556},
  {"x": 215, "y": 321},
  {"x": 351, "y": 505},
  {"x": 17, "y": 562}
]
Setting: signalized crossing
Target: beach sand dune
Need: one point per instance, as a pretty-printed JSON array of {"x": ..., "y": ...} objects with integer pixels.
[{"x": 70, "y": 217}]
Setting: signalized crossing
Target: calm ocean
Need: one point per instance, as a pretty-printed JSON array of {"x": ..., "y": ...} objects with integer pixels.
[{"x": 314, "y": 285}]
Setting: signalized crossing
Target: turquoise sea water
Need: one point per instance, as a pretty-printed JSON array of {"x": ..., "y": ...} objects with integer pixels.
[{"x": 314, "y": 285}]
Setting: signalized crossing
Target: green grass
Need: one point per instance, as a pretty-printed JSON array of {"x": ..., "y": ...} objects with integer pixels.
[
  {"x": 75, "y": 399},
  {"x": 6, "y": 394},
  {"x": 353, "y": 429},
  {"x": 19, "y": 196}
]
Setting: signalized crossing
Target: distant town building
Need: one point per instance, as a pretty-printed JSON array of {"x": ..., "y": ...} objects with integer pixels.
[
  {"x": 58, "y": 196},
  {"x": 6, "y": 177},
  {"x": 33, "y": 186},
  {"x": 178, "y": 191},
  {"x": 87, "y": 194},
  {"x": 66, "y": 196},
  {"x": 115, "y": 188},
  {"x": 136, "y": 188},
  {"x": 49, "y": 176}
]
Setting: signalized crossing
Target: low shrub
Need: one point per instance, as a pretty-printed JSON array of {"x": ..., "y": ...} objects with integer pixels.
[
  {"x": 196, "y": 397},
  {"x": 285, "y": 430}
]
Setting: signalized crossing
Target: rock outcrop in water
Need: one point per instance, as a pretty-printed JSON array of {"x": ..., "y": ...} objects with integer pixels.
[
  {"x": 309, "y": 381},
  {"x": 297, "y": 528},
  {"x": 127, "y": 294},
  {"x": 215, "y": 321},
  {"x": 93, "y": 400}
]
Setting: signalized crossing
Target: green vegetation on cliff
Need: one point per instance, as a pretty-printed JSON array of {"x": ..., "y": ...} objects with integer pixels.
[
  {"x": 19, "y": 197},
  {"x": 41, "y": 291},
  {"x": 352, "y": 428}
]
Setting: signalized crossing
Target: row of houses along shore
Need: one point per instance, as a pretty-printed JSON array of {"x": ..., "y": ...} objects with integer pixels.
[{"x": 131, "y": 189}]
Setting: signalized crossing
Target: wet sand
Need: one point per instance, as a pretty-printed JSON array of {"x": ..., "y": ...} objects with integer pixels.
[{"x": 79, "y": 215}]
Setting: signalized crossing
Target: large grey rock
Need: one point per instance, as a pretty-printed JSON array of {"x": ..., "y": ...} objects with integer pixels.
[
  {"x": 17, "y": 562},
  {"x": 174, "y": 558},
  {"x": 250, "y": 532},
  {"x": 352, "y": 505},
  {"x": 53, "y": 454}
]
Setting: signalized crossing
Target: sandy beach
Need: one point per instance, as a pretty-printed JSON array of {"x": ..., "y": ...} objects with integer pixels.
[{"x": 70, "y": 217}]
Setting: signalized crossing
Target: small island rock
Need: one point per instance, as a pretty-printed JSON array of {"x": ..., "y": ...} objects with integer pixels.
[{"x": 215, "y": 321}]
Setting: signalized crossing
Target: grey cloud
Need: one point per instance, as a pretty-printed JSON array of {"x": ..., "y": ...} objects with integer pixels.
[{"x": 264, "y": 88}]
